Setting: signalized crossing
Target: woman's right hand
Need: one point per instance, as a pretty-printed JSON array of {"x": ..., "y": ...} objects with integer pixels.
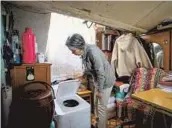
[{"x": 80, "y": 78}]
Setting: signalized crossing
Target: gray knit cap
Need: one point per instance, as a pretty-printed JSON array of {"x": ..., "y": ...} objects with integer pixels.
[{"x": 75, "y": 41}]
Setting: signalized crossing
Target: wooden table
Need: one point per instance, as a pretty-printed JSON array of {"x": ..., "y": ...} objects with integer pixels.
[
  {"x": 85, "y": 95},
  {"x": 157, "y": 100}
]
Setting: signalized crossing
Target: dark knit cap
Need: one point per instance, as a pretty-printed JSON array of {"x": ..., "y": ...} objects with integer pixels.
[{"x": 75, "y": 41}]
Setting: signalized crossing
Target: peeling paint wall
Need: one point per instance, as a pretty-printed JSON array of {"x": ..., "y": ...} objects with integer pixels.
[{"x": 38, "y": 22}]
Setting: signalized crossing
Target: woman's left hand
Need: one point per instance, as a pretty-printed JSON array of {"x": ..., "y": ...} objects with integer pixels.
[{"x": 99, "y": 95}]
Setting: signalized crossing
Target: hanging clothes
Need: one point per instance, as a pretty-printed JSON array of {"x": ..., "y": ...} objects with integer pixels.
[
  {"x": 149, "y": 48},
  {"x": 159, "y": 58},
  {"x": 128, "y": 54}
]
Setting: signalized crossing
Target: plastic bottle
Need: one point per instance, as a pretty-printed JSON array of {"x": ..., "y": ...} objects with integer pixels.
[{"x": 28, "y": 46}]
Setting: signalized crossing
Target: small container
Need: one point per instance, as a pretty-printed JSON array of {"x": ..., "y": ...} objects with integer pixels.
[{"x": 41, "y": 58}]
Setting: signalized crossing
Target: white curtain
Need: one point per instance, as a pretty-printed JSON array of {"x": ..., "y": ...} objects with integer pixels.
[{"x": 64, "y": 63}]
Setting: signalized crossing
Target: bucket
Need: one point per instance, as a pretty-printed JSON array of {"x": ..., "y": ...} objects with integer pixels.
[{"x": 34, "y": 106}]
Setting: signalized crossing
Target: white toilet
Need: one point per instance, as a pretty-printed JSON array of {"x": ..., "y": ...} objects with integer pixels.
[{"x": 72, "y": 111}]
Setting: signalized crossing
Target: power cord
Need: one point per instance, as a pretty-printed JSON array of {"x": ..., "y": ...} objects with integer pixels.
[{"x": 86, "y": 22}]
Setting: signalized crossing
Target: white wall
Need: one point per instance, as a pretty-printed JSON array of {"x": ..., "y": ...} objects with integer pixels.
[
  {"x": 51, "y": 32},
  {"x": 63, "y": 61},
  {"x": 38, "y": 22}
]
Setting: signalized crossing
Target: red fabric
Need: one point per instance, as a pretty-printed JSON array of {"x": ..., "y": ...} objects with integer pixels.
[
  {"x": 118, "y": 83},
  {"x": 165, "y": 83}
]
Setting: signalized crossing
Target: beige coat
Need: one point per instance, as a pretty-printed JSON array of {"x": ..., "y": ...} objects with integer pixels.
[{"x": 127, "y": 54}]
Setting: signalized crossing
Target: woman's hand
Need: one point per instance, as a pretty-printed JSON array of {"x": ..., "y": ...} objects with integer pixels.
[
  {"x": 99, "y": 95},
  {"x": 80, "y": 78}
]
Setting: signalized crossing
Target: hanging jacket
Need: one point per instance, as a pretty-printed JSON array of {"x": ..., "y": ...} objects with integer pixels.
[{"x": 128, "y": 54}]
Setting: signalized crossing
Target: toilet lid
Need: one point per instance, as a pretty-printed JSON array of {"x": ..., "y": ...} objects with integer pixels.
[{"x": 67, "y": 88}]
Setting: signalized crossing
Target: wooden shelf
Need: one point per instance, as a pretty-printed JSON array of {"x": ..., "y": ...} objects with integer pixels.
[
  {"x": 110, "y": 33},
  {"x": 85, "y": 95},
  {"x": 84, "y": 92}
]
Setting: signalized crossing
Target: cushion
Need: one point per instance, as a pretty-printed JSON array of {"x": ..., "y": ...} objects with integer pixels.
[{"x": 143, "y": 79}]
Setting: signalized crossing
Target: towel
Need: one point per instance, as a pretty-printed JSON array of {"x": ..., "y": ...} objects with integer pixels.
[{"x": 124, "y": 87}]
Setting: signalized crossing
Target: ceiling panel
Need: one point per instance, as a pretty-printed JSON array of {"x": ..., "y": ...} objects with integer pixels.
[
  {"x": 127, "y": 12},
  {"x": 161, "y": 13},
  {"x": 134, "y": 16},
  {"x": 130, "y": 12}
]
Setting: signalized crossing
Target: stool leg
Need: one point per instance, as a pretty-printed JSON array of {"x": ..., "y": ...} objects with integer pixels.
[{"x": 165, "y": 122}]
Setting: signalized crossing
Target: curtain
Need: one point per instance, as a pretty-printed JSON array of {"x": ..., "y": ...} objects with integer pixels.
[
  {"x": 64, "y": 63},
  {"x": 2, "y": 37}
]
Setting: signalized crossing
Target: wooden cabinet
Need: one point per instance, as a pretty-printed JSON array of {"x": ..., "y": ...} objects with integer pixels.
[
  {"x": 40, "y": 71},
  {"x": 164, "y": 39}
]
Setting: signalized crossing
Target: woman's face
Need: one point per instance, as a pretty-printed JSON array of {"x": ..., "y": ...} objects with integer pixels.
[{"x": 77, "y": 52}]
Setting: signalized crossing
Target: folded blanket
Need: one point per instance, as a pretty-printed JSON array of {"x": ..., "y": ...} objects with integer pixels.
[
  {"x": 111, "y": 107},
  {"x": 167, "y": 78},
  {"x": 111, "y": 100},
  {"x": 124, "y": 87},
  {"x": 165, "y": 83}
]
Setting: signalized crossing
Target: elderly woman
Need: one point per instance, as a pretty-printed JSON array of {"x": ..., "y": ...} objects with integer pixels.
[{"x": 99, "y": 71}]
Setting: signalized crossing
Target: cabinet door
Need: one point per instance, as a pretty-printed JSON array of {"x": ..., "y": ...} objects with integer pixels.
[
  {"x": 18, "y": 76},
  {"x": 19, "y": 73},
  {"x": 42, "y": 73},
  {"x": 163, "y": 39}
]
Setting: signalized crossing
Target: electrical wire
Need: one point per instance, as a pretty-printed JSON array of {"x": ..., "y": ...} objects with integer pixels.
[
  {"x": 86, "y": 22},
  {"x": 90, "y": 25}
]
